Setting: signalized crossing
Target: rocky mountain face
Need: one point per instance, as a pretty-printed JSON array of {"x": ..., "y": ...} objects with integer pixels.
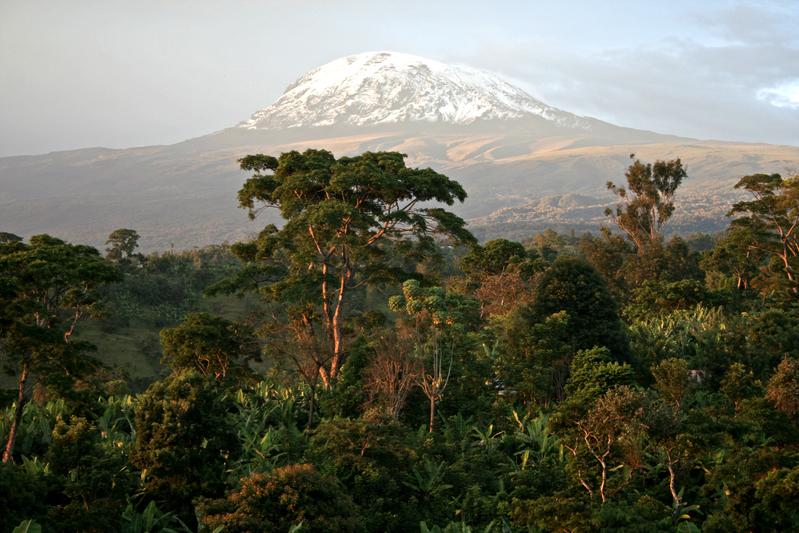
[{"x": 525, "y": 165}]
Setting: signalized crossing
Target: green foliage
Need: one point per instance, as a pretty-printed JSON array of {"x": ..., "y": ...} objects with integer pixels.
[
  {"x": 607, "y": 254},
  {"x": 655, "y": 298},
  {"x": 28, "y": 526},
  {"x": 23, "y": 495},
  {"x": 672, "y": 380},
  {"x": 53, "y": 285},
  {"x": 151, "y": 519},
  {"x": 513, "y": 398},
  {"x": 167, "y": 286},
  {"x": 571, "y": 285},
  {"x": 771, "y": 221},
  {"x": 533, "y": 357},
  {"x": 343, "y": 219},
  {"x": 184, "y": 439},
  {"x": 436, "y": 308},
  {"x": 210, "y": 345},
  {"x": 366, "y": 457},
  {"x": 783, "y": 387},
  {"x": 496, "y": 256},
  {"x": 267, "y": 429},
  {"x": 594, "y": 372},
  {"x": 97, "y": 478},
  {"x": 36, "y": 427},
  {"x": 666, "y": 263},
  {"x": 648, "y": 199},
  {"x": 277, "y": 501},
  {"x": 122, "y": 245}
]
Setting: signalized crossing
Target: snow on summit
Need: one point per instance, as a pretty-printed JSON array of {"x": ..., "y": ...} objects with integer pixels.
[{"x": 387, "y": 87}]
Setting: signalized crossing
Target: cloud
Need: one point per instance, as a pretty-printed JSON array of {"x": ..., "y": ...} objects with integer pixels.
[
  {"x": 731, "y": 80},
  {"x": 783, "y": 95}
]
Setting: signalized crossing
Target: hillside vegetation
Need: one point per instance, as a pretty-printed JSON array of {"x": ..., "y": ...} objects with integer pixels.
[{"x": 370, "y": 365}]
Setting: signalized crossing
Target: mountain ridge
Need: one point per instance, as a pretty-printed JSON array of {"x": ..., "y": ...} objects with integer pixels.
[{"x": 184, "y": 194}]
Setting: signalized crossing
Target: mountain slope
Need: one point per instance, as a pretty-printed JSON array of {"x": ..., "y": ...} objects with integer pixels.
[{"x": 525, "y": 165}]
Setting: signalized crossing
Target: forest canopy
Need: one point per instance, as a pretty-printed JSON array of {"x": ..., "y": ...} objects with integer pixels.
[{"x": 370, "y": 366}]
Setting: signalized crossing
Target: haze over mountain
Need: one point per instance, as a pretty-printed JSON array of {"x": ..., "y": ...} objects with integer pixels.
[{"x": 526, "y": 165}]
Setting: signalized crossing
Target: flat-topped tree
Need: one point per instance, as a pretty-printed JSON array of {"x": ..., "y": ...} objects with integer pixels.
[{"x": 340, "y": 215}]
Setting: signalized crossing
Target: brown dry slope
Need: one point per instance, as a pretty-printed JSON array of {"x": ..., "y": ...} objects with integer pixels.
[{"x": 519, "y": 176}]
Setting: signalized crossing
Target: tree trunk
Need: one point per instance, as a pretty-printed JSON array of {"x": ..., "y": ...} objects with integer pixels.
[
  {"x": 12, "y": 434},
  {"x": 338, "y": 344},
  {"x": 311, "y": 406},
  {"x": 432, "y": 413}
]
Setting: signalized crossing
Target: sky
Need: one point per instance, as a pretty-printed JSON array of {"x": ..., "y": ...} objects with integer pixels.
[{"x": 118, "y": 73}]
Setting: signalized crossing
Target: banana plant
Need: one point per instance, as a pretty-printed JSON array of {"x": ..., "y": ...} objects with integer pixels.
[
  {"x": 536, "y": 440},
  {"x": 486, "y": 440},
  {"x": 116, "y": 424},
  {"x": 266, "y": 428},
  {"x": 429, "y": 480},
  {"x": 34, "y": 467},
  {"x": 28, "y": 526},
  {"x": 151, "y": 520},
  {"x": 36, "y": 426},
  {"x": 458, "y": 527}
]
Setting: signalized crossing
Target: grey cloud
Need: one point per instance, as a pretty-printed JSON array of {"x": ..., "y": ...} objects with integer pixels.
[{"x": 685, "y": 87}]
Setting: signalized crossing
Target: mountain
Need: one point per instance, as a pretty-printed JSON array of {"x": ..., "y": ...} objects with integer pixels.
[
  {"x": 388, "y": 88},
  {"x": 526, "y": 165}
]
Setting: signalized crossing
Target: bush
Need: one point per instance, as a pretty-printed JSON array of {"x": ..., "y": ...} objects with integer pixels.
[
  {"x": 185, "y": 437},
  {"x": 283, "y": 498}
]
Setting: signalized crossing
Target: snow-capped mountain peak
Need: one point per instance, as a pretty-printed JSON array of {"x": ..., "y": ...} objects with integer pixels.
[{"x": 389, "y": 87}]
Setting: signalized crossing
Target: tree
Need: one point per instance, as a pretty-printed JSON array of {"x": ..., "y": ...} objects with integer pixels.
[
  {"x": 593, "y": 372},
  {"x": 533, "y": 357},
  {"x": 391, "y": 373},
  {"x": 494, "y": 257},
  {"x": 614, "y": 424},
  {"x": 441, "y": 318},
  {"x": 51, "y": 285},
  {"x": 672, "y": 380},
  {"x": 211, "y": 345},
  {"x": 185, "y": 437},
  {"x": 783, "y": 387},
  {"x": 647, "y": 201},
  {"x": 341, "y": 214},
  {"x": 607, "y": 254},
  {"x": 503, "y": 272},
  {"x": 571, "y": 285},
  {"x": 122, "y": 245},
  {"x": 286, "y": 497},
  {"x": 8, "y": 238},
  {"x": 733, "y": 256},
  {"x": 773, "y": 219},
  {"x": 365, "y": 456},
  {"x": 97, "y": 478}
]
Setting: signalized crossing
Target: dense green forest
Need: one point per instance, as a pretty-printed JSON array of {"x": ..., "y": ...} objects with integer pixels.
[{"x": 370, "y": 366}]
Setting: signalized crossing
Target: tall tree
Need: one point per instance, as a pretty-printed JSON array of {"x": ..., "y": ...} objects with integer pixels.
[
  {"x": 772, "y": 217},
  {"x": 340, "y": 216},
  {"x": 647, "y": 201},
  {"x": 52, "y": 287},
  {"x": 734, "y": 257},
  {"x": 573, "y": 286},
  {"x": 441, "y": 321}
]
